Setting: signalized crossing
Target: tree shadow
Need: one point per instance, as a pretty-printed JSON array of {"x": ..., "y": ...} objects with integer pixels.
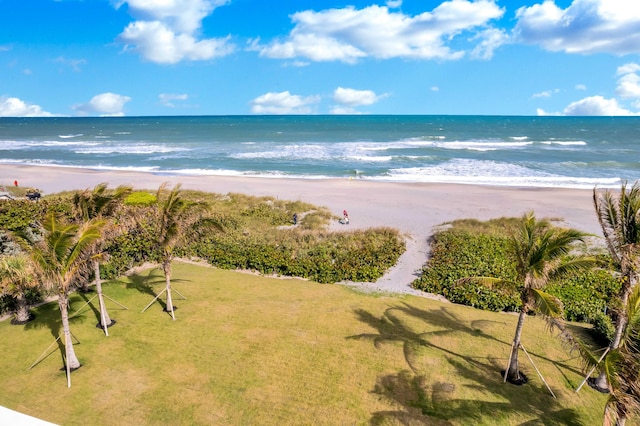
[
  {"x": 88, "y": 302},
  {"x": 144, "y": 283},
  {"x": 49, "y": 318},
  {"x": 422, "y": 401}
]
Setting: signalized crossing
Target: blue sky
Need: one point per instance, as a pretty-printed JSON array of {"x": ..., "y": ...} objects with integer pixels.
[{"x": 219, "y": 57}]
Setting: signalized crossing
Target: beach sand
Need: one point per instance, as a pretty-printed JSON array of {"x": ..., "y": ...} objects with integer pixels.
[{"x": 413, "y": 208}]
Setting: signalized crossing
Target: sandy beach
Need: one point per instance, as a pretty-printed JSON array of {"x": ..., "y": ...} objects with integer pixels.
[{"x": 413, "y": 208}]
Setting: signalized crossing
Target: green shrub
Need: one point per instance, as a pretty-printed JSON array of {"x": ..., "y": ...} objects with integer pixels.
[
  {"x": 460, "y": 253},
  {"x": 140, "y": 198},
  {"x": 603, "y": 328},
  {"x": 585, "y": 294},
  {"x": 238, "y": 232},
  {"x": 481, "y": 249},
  {"x": 326, "y": 258}
]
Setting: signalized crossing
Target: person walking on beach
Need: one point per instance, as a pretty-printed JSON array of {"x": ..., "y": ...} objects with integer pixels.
[{"x": 345, "y": 217}]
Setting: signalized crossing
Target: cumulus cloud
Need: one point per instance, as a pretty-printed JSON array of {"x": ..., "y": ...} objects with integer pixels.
[
  {"x": 167, "y": 99},
  {"x": 105, "y": 104},
  {"x": 585, "y": 26},
  {"x": 353, "y": 97},
  {"x": 545, "y": 93},
  {"x": 15, "y": 107},
  {"x": 349, "y": 34},
  {"x": 349, "y": 99},
  {"x": 490, "y": 40},
  {"x": 167, "y": 30},
  {"x": 593, "y": 106},
  {"x": 629, "y": 81},
  {"x": 283, "y": 103}
]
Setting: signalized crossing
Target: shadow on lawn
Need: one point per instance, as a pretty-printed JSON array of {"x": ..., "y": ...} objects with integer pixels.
[
  {"x": 422, "y": 401},
  {"x": 144, "y": 283},
  {"x": 49, "y": 318}
]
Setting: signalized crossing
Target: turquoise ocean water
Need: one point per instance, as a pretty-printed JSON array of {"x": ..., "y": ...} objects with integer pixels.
[{"x": 576, "y": 152}]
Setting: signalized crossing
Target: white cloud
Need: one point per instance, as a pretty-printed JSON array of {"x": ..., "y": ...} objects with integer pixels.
[
  {"x": 73, "y": 63},
  {"x": 629, "y": 81},
  {"x": 14, "y": 107},
  {"x": 283, "y": 103},
  {"x": 490, "y": 40},
  {"x": 349, "y": 34},
  {"x": 167, "y": 30},
  {"x": 354, "y": 98},
  {"x": 593, "y": 106},
  {"x": 545, "y": 93},
  {"x": 628, "y": 68},
  {"x": 157, "y": 43},
  {"x": 342, "y": 110},
  {"x": 394, "y": 4},
  {"x": 183, "y": 16},
  {"x": 105, "y": 104},
  {"x": 585, "y": 26},
  {"x": 167, "y": 99},
  {"x": 581, "y": 87},
  {"x": 435, "y": 89}
]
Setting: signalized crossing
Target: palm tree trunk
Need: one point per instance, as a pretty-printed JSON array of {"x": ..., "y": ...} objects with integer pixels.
[
  {"x": 105, "y": 321},
  {"x": 22, "y": 311},
  {"x": 513, "y": 370},
  {"x": 600, "y": 383},
  {"x": 166, "y": 266},
  {"x": 70, "y": 355}
]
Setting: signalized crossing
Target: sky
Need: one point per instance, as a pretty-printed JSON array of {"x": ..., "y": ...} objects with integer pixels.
[{"x": 237, "y": 57}]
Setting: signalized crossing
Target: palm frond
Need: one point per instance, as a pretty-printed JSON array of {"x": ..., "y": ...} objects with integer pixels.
[
  {"x": 547, "y": 304},
  {"x": 498, "y": 284}
]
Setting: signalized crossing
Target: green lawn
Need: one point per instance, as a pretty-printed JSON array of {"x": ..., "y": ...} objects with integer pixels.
[{"x": 252, "y": 350}]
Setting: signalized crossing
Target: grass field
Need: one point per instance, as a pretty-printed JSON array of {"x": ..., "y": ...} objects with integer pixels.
[{"x": 250, "y": 350}]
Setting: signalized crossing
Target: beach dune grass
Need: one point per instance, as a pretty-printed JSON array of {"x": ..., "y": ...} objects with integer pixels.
[{"x": 247, "y": 349}]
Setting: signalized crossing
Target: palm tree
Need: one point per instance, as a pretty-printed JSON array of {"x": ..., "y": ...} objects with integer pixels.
[
  {"x": 619, "y": 218},
  {"x": 541, "y": 252},
  {"x": 102, "y": 204},
  {"x": 61, "y": 257},
  {"x": 173, "y": 216},
  {"x": 17, "y": 275},
  {"x": 622, "y": 368}
]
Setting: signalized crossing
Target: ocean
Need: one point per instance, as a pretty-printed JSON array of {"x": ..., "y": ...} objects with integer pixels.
[{"x": 570, "y": 152}]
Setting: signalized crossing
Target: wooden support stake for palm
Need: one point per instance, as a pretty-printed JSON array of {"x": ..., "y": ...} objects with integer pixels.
[
  {"x": 158, "y": 296},
  {"x": 102, "y": 317},
  {"x": 538, "y": 371},
  {"x": 506, "y": 370},
  {"x": 591, "y": 371},
  {"x": 44, "y": 354}
]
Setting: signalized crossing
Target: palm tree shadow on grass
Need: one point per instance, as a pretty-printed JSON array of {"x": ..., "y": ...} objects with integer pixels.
[
  {"x": 49, "y": 317},
  {"x": 90, "y": 301},
  {"x": 144, "y": 283},
  {"x": 422, "y": 401}
]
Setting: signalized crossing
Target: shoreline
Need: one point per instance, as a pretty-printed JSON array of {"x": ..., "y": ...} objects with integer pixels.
[{"x": 413, "y": 208}]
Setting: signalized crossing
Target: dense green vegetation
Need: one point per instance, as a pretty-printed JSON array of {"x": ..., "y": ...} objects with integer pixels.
[
  {"x": 469, "y": 248},
  {"x": 234, "y": 231}
]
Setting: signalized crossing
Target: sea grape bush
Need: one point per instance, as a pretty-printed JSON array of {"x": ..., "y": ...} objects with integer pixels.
[{"x": 461, "y": 252}]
